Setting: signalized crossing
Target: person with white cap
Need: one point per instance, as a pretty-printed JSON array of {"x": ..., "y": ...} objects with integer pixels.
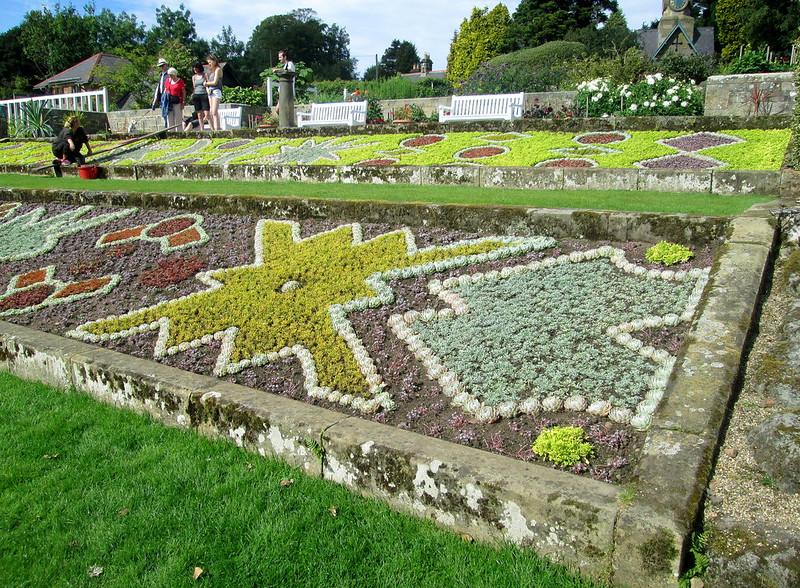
[{"x": 162, "y": 80}]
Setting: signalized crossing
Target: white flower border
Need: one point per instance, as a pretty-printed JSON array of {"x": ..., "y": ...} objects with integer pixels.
[
  {"x": 164, "y": 240},
  {"x": 735, "y": 140},
  {"x": 51, "y": 300},
  {"x": 338, "y": 313},
  {"x": 401, "y": 325},
  {"x": 12, "y": 208},
  {"x": 60, "y": 225}
]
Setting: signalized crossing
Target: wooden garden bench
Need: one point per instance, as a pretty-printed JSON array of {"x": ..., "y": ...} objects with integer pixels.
[
  {"x": 334, "y": 113},
  {"x": 483, "y": 107}
]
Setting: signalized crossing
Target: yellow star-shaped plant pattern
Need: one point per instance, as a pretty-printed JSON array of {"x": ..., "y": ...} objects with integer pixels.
[{"x": 294, "y": 300}]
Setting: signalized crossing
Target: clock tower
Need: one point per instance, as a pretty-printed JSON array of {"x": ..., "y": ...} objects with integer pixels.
[{"x": 676, "y": 28}]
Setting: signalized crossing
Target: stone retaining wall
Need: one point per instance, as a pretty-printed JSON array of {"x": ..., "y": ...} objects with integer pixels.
[
  {"x": 147, "y": 121},
  {"x": 780, "y": 183},
  {"x": 635, "y": 538},
  {"x": 750, "y": 94}
]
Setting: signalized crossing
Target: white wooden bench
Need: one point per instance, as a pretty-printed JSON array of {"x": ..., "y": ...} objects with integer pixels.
[
  {"x": 334, "y": 113},
  {"x": 483, "y": 107},
  {"x": 230, "y": 118}
]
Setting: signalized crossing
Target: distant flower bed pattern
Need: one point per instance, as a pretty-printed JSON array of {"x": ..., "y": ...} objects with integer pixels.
[
  {"x": 745, "y": 150},
  {"x": 442, "y": 332}
]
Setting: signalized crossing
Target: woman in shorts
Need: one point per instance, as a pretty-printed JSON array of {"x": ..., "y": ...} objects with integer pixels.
[
  {"x": 214, "y": 86},
  {"x": 200, "y": 94}
]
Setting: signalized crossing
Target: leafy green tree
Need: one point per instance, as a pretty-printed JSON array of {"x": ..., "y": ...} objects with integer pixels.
[
  {"x": 774, "y": 23},
  {"x": 732, "y": 17},
  {"x": 325, "y": 48},
  {"x": 481, "y": 36},
  {"x": 175, "y": 26},
  {"x": 399, "y": 57},
  {"x": 373, "y": 72},
  {"x": 614, "y": 39},
  {"x": 55, "y": 40},
  {"x": 538, "y": 21},
  {"x": 111, "y": 32},
  {"x": 226, "y": 46},
  {"x": 17, "y": 71}
]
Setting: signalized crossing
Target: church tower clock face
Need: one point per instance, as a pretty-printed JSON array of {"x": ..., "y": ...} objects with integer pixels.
[{"x": 678, "y": 5}]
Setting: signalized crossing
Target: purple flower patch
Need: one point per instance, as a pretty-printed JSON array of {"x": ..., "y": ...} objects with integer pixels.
[{"x": 698, "y": 141}]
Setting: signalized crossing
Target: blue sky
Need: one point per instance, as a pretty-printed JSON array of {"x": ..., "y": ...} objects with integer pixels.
[{"x": 371, "y": 25}]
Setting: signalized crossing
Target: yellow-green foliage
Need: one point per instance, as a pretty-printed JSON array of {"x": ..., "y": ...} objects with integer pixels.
[
  {"x": 564, "y": 446},
  {"x": 731, "y": 16},
  {"x": 667, "y": 253},
  {"x": 480, "y": 37},
  {"x": 325, "y": 269}
]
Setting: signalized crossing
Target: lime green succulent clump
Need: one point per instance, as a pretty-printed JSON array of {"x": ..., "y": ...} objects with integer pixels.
[
  {"x": 564, "y": 446},
  {"x": 667, "y": 253}
]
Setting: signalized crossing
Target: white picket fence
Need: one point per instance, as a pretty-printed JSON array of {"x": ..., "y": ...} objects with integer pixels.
[{"x": 93, "y": 101}]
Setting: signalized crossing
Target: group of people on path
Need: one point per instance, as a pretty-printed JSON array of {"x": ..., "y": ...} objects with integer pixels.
[{"x": 170, "y": 94}]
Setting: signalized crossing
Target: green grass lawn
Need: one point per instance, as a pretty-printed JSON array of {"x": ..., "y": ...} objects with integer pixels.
[
  {"x": 83, "y": 484},
  {"x": 663, "y": 202}
]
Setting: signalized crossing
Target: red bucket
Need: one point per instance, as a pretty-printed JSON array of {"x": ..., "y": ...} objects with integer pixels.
[{"x": 88, "y": 172}]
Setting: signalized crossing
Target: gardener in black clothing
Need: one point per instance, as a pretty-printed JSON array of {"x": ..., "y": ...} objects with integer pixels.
[{"x": 67, "y": 146}]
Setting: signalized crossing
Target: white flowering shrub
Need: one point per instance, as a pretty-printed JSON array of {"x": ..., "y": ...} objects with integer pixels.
[{"x": 654, "y": 95}]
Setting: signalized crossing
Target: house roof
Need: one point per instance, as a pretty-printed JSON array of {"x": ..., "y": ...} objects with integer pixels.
[
  {"x": 703, "y": 41},
  {"x": 82, "y": 72}
]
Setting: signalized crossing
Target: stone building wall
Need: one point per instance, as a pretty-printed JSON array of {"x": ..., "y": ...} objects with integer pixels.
[{"x": 750, "y": 94}]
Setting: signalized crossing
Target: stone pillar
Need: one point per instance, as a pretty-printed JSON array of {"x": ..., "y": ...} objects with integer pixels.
[{"x": 286, "y": 99}]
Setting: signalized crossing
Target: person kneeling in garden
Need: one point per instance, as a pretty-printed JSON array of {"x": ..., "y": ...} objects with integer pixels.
[{"x": 67, "y": 146}]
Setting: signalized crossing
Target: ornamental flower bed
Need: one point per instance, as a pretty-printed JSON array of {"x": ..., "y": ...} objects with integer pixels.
[
  {"x": 655, "y": 95},
  {"x": 484, "y": 341},
  {"x": 736, "y": 150}
]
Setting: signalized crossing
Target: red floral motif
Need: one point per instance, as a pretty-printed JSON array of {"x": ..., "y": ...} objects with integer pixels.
[
  {"x": 376, "y": 163},
  {"x": 170, "y": 226},
  {"x": 422, "y": 141},
  {"x": 122, "y": 250},
  {"x": 191, "y": 235},
  {"x": 567, "y": 163},
  {"x": 601, "y": 138},
  {"x": 172, "y": 271},
  {"x": 122, "y": 235},
  {"x": 480, "y": 152},
  {"x": 31, "y": 278},
  {"x": 26, "y": 298},
  {"x": 82, "y": 287}
]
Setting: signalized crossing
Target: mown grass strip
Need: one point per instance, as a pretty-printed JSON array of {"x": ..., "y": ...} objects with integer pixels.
[
  {"x": 618, "y": 200},
  {"x": 83, "y": 484}
]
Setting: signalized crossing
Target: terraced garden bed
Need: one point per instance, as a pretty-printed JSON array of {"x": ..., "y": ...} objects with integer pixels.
[
  {"x": 482, "y": 341},
  {"x": 729, "y": 149}
]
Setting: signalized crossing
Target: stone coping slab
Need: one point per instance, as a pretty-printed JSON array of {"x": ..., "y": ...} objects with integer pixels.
[
  {"x": 713, "y": 181},
  {"x": 635, "y": 536},
  {"x": 488, "y": 220}
]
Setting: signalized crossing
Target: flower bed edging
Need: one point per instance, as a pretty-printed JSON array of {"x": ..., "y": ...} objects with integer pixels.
[{"x": 573, "y": 520}]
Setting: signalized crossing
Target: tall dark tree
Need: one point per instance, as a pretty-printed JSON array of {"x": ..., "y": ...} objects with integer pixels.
[
  {"x": 399, "y": 57},
  {"x": 774, "y": 23},
  {"x": 539, "y": 21},
  {"x": 17, "y": 72},
  {"x": 226, "y": 46},
  {"x": 613, "y": 39},
  {"x": 324, "y": 48}
]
